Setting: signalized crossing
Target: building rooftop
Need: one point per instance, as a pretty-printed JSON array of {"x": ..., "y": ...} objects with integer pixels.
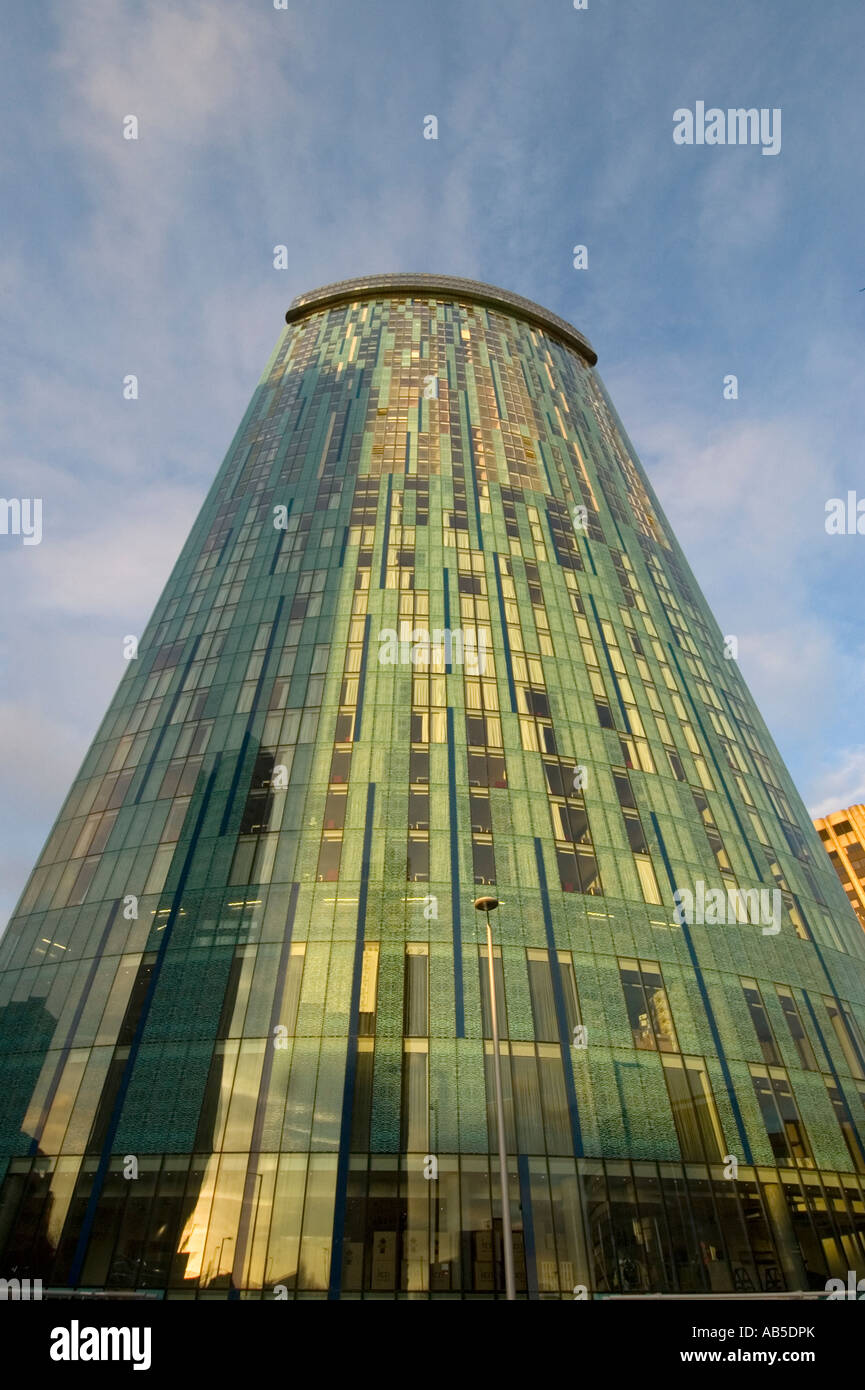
[{"x": 452, "y": 287}]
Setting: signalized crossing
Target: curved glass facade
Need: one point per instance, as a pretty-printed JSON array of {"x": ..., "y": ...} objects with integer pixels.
[{"x": 431, "y": 637}]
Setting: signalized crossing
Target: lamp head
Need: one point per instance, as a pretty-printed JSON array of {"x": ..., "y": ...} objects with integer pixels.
[{"x": 486, "y": 904}]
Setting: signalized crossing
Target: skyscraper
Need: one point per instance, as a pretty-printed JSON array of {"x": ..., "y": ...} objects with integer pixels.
[
  {"x": 843, "y": 836},
  {"x": 430, "y": 637}
]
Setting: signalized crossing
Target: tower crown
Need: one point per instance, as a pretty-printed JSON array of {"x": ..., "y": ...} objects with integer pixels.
[{"x": 447, "y": 287}]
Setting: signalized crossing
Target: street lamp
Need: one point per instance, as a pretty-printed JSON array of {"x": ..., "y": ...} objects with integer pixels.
[{"x": 488, "y": 905}]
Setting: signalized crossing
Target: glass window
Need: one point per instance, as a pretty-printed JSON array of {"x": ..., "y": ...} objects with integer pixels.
[
  {"x": 416, "y": 992},
  {"x": 328, "y": 858},
  {"x": 362, "y": 1096},
  {"x": 694, "y": 1111},
  {"x": 175, "y": 818},
  {"x": 554, "y": 1101},
  {"x": 101, "y": 833},
  {"x": 344, "y": 731},
  {"x": 561, "y": 821},
  {"x": 676, "y": 766},
  {"x": 590, "y": 877},
  {"x": 334, "y": 810},
  {"x": 577, "y": 822},
  {"x": 648, "y": 881},
  {"x": 415, "y": 1097},
  {"x": 496, "y": 774},
  {"x": 848, "y": 1035},
  {"x": 648, "y": 1006},
  {"x": 419, "y": 765},
  {"x": 847, "y": 1127},
  {"x": 483, "y": 860},
  {"x": 340, "y": 765},
  {"x": 418, "y": 857},
  {"x": 797, "y": 1030},
  {"x": 578, "y": 871},
  {"x": 624, "y": 790},
  {"x": 368, "y": 989},
  {"x": 481, "y": 816},
  {"x": 527, "y": 1097},
  {"x": 477, "y": 770},
  {"x": 257, "y": 810},
  {"x": 568, "y": 877},
  {"x": 627, "y": 748},
  {"x": 83, "y": 881},
  {"x": 635, "y": 1002},
  {"x": 605, "y": 717},
  {"x": 476, "y": 731},
  {"x": 569, "y": 989},
  {"x": 543, "y": 997},
  {"x": 418, "y": 810},
  {"x": 542, "y": 990},
  {"x": 291, "y": 989},
  {"x": 781, "y": 1117},
  {"x": 760, "y": 1020},
  {"x": 553, "y": 774}
]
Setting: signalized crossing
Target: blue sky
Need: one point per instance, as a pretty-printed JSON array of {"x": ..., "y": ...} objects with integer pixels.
[{"x": 305, "y": 127}]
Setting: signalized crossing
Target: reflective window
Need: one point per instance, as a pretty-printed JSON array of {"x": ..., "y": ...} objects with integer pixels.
[
  {"x": 483, "y": 859},
  {"x": 694, "y": 1110},
  {"x": 797, "y": 1030},
  {"x": 759, "y": 1018},
  {"x": 845, "y": 1122},
  {"x": 847, "y": 1033},
  {"x": 648, "y": 1006},
  {"x": 368, "y": 989},
  {"x": 781, "y": 1117},
  {"x": 501, "y": 1012},
  {"x": 416, "y": 992},
  {"x": 418, "y": 857}
]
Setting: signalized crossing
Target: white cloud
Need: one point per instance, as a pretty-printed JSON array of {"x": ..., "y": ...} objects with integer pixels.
[
  {"x": 745, "y": 498},
  {"x": 839, "y": 786},
  {"x": 113, "y": 562}
]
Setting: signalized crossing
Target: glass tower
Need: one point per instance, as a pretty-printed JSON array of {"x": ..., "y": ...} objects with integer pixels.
[{"x": 431, "y": 637}]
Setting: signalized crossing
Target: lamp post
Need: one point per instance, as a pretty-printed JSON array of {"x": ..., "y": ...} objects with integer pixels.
[{"x": 487, "y": 905}]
